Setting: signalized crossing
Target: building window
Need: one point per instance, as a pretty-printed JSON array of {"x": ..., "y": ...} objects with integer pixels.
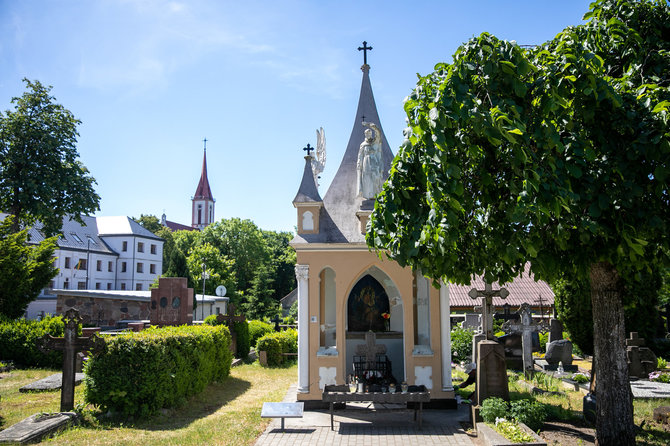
[
  {"x": 124, "y": 246},
  {"x": 97, "y": 285},
  {"x": 199, "y": 214},
  {"x": 153, "y": 249},
  {"x": 140, "y": 247},
  {"x": 98, "y": 265},
  {"x": 123, "y": 267},
  {"x": 76, "y": 237},
  {"x": 123, "y": 287},
  {"x": 81, "y": 285},
  {"x": 67, "y": 262},
  {"x": 138, "y": 287},
  {"x": 152, "y": 268},
  {"x": 109, "y": 266},
  {"x": 66, "y": 285},
  {"x": 81, "y": 264},
  {"x": 109, "y": 286},
  {"x": 140, "y": 267}
]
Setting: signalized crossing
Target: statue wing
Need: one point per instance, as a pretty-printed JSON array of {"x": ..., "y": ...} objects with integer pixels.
[{"x": 321, "y": 147}]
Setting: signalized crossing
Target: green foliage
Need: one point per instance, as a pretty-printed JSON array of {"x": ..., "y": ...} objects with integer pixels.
[
  {"x": 493, "y": 408},
  {"x": 24, "y": 268},
  {"x": 529, "y": 412},
  {"x": 544, "y": 338},
  {"x": 41, "y": 177},
  {"x": 211, "y": 320},
  {"x": 277, "y": 343},
  {"x": 580, "y": 378},
  {"x": 259, "y": 301},
  {"x": 243, "y": 340},
  {"x": 18, "y": 341},
  {"x": 293, "y": 311},
  {"x": 513, "y": 432},
  {"x": 218, "y": 267},
  {"x": 661, "y": 363},
  {"x": 258, "y": 329},
  {"x": 140, "y": 373},
  {"x": 149, "y": 222},
  {"x": 461, "y": 344},
  {"x": 573, "y": 306},
  {"x": 282, "y": 262}
]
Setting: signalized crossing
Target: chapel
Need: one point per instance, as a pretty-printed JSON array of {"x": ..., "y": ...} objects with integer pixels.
[{"x": 351, "y": 302}]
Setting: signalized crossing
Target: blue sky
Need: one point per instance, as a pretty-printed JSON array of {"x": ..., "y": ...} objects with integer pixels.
[{"x": 149, "y": 79}]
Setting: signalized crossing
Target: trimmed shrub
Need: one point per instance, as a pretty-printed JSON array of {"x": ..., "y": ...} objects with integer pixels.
[
  {"x": 493, "y": 408},
  {"x": 258, "y": 329},
  {"x": 277, "y": 343},
  {"x": 140, "y": 373},
  {"x": 529, "y": 412},
  {"x": 18, "y": 341},
  {"x": 461, "y": 344},
  {"x": 241, "y": 332}
]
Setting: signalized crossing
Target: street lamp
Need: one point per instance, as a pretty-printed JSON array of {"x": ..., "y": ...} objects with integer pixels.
[{"x": 205, "y": 276}]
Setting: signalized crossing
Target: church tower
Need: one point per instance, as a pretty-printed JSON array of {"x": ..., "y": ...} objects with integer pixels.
[{"x": 202, "y": 213}]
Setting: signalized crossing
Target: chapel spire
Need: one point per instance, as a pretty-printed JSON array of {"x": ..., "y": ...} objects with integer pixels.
[{"x": 203, "y": 202}]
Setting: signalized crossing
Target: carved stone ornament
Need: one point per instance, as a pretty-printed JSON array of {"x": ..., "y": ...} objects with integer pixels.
[{"x": 302, "y": 272}]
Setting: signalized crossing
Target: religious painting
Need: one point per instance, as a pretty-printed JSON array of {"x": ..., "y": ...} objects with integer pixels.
[{"x": 367, "y": 306}]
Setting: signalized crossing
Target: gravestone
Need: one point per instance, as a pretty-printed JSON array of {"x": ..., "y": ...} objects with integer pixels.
[
  {"x": 471, "y": 321},
  {"x": 229, "y": 320},
  {"x": 491, "y": 372},
  {"x": 70, "y": 344},
  {"x": 171, "y": 302},
  {"x": 560, "y": 351},
  {"x": 370, "y": 350},
  {"x": 555, "y": 330},
  {"x": 526, "y": 327},
  {"x": 641, "y": 360}
]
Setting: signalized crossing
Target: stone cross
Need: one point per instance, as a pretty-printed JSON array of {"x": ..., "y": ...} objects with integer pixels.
[
  {"x": 276, "y": 321},
  {"x": 308, "y": 149},
  {"x": 365, "y": 48},
  {"x": 527, "y": 328},
  {"x": 70, "y": 344},
  {"x": 230, "y": 318},
  {"x": 487, "y": 295},
  {"x": 371, "y": 349}
]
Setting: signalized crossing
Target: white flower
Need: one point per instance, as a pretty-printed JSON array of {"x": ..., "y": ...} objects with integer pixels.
[{"x": 500, "y": 420}]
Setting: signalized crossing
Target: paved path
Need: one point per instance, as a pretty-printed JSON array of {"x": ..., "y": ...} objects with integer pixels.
[{"x": 360, "y": 427}]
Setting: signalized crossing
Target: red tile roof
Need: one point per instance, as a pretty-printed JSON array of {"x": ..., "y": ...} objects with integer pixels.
[{"x": 523, "y": 289}]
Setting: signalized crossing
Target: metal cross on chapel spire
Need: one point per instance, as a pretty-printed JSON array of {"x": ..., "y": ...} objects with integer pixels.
[
  {"x": 308, "y": 149},
  {"x": 365, "y": 49},
  {"x": 205, "y": 141}
]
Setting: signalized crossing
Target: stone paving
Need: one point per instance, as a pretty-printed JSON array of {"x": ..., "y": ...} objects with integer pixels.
[{"x": 362, "y": 427}]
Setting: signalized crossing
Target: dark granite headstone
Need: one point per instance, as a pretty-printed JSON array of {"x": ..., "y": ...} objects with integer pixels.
[{"x": 171, "y": 302}]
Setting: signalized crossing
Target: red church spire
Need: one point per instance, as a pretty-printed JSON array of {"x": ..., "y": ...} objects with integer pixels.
[
  {"x": 203, "y": 201},
  {"x": 203, "y": 192}
]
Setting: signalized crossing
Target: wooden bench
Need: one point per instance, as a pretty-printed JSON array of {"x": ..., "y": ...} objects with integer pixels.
[
  {"x": 282, "y": 410},
  {"x": 340, "y": 394}
]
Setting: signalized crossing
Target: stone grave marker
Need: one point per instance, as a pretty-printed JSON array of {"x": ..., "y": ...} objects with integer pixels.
[
  {"x": 641, "y": 360},
  {"x": 171, "y": 302},
  {"x": 555, "y": 330},
  {"x": 70, "y": 344},
  {"x": 229, "y": 319},
  {"x": 526, "y": 327},
  {"x": 370, "y": 349},
  {"x": 491, "y": 375}
]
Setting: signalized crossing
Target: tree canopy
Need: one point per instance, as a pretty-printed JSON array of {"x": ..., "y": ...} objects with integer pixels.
[
  {"x": 557, "y": 155},
  {"x": 41, "y": 177},
  {"x": 24, "y": 269}
]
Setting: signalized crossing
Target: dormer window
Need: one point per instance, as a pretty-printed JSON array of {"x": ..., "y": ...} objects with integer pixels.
[
  {"x": 307, "y": 221},
  {"x": 76, "y": 237}
]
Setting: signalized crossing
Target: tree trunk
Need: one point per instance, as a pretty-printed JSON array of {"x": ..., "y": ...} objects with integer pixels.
[{"x": 614, "y": 399}]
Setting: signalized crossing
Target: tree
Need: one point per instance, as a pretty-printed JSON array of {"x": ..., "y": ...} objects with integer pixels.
[
  {"x": 24, "y": 269},
  {"x": 557, "y": 155},
  {"x": 150, "y": 223},
  {"x": 260, "y": 303},
  {"x": 41, "y": 177},
  {"x": 282, "y": 262}
]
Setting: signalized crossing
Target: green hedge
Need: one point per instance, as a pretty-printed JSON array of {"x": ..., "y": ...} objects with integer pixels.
[
  {"x": 258, "y": 329},
  {"x": 277, "y": 343},
  {"x": 17, "y": 341},
  {"x": 241, "y": 331},
  {"x": 461, "y": 344},
  {"x": 140, "y": 373}
]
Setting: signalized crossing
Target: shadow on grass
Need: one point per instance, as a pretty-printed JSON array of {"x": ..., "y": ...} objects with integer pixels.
[{"x": 214, "y": 397}]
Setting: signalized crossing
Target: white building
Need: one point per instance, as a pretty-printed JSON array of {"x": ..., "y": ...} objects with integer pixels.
[{"x": 105, "y": 253}]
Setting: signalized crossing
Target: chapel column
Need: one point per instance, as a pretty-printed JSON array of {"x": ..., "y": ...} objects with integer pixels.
[
  {"x": 445, "y": 336},
  {"x": 302, "y": 274}
]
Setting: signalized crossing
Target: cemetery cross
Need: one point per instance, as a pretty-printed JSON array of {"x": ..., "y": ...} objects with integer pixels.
[
  {"x": 370, "y": 349},
  {"x": 487, "y": 295},
  {"x": 308, "y": 149},
  {"x": 276, "y": 321},
  {"x": 526, "y": 327},
  {"x": 70, "y": 344},
  {"x": 365, "y": 48},
  {"x": 230, "y": 318}
]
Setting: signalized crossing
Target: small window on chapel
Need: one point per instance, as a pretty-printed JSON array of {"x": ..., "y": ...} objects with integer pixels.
[{"x": 307, "y": 221}]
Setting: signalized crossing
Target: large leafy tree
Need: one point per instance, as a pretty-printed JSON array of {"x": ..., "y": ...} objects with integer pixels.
[
  {"x": 24, "y": 268},
  {"x": 282, "y": 262},
  {"x": 41, "y": 177},
  {"x": 556, "y": 155},
  {"x": 149, "y": 222}
]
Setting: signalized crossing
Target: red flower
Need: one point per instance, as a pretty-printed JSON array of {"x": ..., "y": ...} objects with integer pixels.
[{"x": 386, "y": 316}]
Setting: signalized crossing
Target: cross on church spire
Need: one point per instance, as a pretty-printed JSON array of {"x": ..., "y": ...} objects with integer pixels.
[
  {"x": 205, "y": 141},
  {"x": 308, "y": 149},
  {"x": 365, "y": 49}
]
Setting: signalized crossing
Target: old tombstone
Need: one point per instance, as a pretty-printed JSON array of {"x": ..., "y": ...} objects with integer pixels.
[
  {"x": 641, "y": 360},
  {"x": 491, "y": 375},
  {"x": 370, "y": 350},
  {"x": 70, "y": 344},
  {"x": 559, "y": 352},
  {"x": 526, "y": 327},
  {"x": 472, "y": 321},
  {"x": 555, "y": 330},
  {"x": 229, "y": 320},
  {"x": 171, "y": 302}
]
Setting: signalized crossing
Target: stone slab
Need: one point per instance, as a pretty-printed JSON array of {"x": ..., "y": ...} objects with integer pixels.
[
  {"x": 34, "y": 428},
  {"x": 650, "y": 389},
  {"x": 544, "y": 365},
  {"x": 53, "y": 382}
]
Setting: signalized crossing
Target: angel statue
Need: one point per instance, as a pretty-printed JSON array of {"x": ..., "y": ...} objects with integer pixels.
[
  {"x": 369, "y": 165},
  {"x": 319, "y": 161}
]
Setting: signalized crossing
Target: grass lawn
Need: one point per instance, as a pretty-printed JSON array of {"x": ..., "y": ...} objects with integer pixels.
[{"x": 227, "y": 413}]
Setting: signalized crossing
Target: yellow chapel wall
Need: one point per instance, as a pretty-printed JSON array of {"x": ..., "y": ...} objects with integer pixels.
[{"x": 349, "y": 263}]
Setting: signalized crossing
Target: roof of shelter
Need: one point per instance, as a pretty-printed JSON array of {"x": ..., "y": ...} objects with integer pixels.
[
  {"x": 338, "y": 221},
  {"x": 523, "y": 289}
]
